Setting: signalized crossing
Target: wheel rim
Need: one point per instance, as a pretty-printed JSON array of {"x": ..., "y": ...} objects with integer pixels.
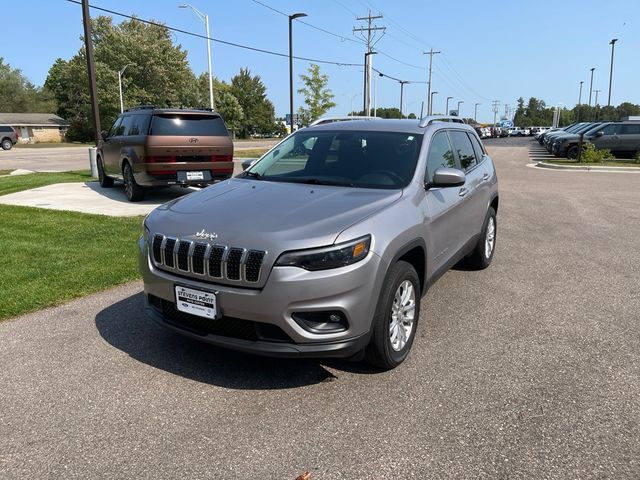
[
  {"x": 490, "y": 237},
  {"x": 402, "y": 315}
]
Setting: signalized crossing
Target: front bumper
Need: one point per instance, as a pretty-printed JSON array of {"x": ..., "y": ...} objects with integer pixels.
[{"x": 352, "y": 290}]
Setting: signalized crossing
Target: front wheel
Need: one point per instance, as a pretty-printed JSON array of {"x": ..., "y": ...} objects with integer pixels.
[
  {"x": 396, "y": 318},
  {"x": 572, "y": 153},
  {"x": 134, "y": 192},
  {"x": 7, "y": 144},
  {"x": 482, "y": 255}
]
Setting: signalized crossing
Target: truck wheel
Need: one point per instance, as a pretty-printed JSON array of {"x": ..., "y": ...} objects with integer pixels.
[
  {"x": 396, "y": 319},
  {"x": 6, "y": 144},
  {"x": 105, "y": 181},
  {"x": 134, "y": 192},
  {"x": 482, "y": 255}
]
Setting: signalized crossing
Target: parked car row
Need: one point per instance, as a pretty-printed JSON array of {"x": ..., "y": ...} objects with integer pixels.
[{"x": 621, "y": 138}]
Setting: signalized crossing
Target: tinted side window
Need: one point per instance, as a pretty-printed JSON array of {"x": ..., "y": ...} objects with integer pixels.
[
  {"x": 477, "y": 147},
  {"x": 631, "y": 129},
  {"x": 440, "y": 154},
  {"x": 114, "y": 127},
  {"x": 176, "y": 124},
  {"x": 6, "y": 129},
  {"x": 139, "y": 125},
  {"x": 124, "y": 126},
  {"x": 462, "y": 145},
  {"x": 610, "y": 129}
]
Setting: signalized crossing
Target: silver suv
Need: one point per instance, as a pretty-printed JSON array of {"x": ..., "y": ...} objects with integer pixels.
[{"x": 324, "y": 246}]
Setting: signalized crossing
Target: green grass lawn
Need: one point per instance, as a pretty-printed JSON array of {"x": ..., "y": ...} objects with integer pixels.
[
  {"x": 5, "y": 172},
  {"x": 250, "y": 153},
  {"x": 54, "y": 145},
  {"x": 51, "y": 256},
  {"x": 34, "y": 180},
  {"x": 612, "y": 163}
]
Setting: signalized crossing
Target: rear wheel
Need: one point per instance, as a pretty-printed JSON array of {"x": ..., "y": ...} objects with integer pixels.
[
  {"x": 134, "y": 192},
  {"x": 483, "y": 253},
  {"x": 105, "y": 181},
  {"x": 396, "y": 318},
  {"x": 7, "y": 144}
]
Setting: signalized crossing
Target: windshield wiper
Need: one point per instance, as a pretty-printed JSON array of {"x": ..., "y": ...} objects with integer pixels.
[
  {"x": 254, "y": 175},
  {"x": 317, "y": 181}
]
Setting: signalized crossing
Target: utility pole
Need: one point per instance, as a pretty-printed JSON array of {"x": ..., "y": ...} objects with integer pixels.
[
  {"x": 402, "y": 83},
  {"x": 494, "y": 106},
  {"x": 431, "y": 53},
  {"x": 370, "y": 39},
  {"x": 93, "y": 90}
]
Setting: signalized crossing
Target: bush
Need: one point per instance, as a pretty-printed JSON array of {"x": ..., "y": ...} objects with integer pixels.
[
  {"x": 591, "y": 155},
  {"x": 636, "y": 159}
]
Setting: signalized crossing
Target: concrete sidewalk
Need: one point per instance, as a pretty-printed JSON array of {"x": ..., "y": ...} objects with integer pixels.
[{"x": 91, "y": 198}]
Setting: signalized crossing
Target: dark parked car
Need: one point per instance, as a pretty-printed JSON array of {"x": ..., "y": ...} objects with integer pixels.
[
  {"x": 622, "y": 138},
  {"x": 149, "y": 147},
  {"x": 8, "y": 137}
]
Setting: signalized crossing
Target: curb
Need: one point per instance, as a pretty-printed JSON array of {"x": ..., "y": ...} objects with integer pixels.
[{"x": 586, "y": 168}]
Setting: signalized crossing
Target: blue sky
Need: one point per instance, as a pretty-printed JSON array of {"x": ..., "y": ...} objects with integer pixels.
[{"x": 490, "y": 50}]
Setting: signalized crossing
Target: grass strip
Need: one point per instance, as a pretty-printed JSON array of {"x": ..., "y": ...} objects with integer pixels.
[
  {"x": 54, "y": 256},
  {"x": 250, "y": 153},
  {"x": 611, "y": 163},
  {"x": 18, "y": 183}
]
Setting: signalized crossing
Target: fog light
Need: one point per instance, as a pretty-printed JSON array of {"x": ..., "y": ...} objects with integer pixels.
[{"x": 322, "y": 322}]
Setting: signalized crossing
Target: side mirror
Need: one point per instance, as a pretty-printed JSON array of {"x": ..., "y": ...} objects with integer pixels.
[
  {"x": 600, "y": 133},
  {"x": 447, "y": 177},
  {"x": 247, "y": 163},
  {"x": 103, "y": 134}
]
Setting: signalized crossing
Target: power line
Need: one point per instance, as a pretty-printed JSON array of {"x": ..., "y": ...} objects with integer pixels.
[
  {"x": 218, "y": 40},
  {"x": 370, "y": 39}
]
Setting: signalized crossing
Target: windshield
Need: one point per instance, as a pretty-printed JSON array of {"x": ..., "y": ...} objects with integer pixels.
[
  {"x": 363, "y": 159},
  {"x": 188, "y": 125}
]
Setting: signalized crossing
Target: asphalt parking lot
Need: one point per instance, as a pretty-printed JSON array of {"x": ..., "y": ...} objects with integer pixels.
[{"x": 530, "y": 369}]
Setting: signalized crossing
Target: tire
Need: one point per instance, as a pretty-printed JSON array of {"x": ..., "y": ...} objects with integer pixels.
[
  {"x": 7, "y": 144},
  {"x": 103, "y": 178},
  {"x": 572, "y": 152},
  {"x": 383, "y": 351},
  {"x": 134, "y": 192},
  {"x": 482, "y": 254}
]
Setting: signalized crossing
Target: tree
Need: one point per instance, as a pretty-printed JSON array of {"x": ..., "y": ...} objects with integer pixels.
[
  {"x": 18, "y": 94},
  {"x": 226, "y": 103},
  {"x": 317, "y": 97},
  {"x": 158, "y": 74},
  {"x": 251, "y": 94}
]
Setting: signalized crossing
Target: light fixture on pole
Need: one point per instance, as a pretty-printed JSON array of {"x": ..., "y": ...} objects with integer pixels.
[
  {"x": 431, "y": 100},
  {"x": 291, "y": 19},
  {"x": 613, "y": 46},
  {"x": 591, "y": 85},
  {"x": 205, "y": 19},
  {"x": 460, "y": 103},
  {"x": 402, "y": 82},
  {"x": 475, "y": 112},
  {"x": 446, "y": 108},
  {"x": 120, "y": 73}
]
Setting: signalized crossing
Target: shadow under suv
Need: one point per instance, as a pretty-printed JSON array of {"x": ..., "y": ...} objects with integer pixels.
[
  {"x": 325, "y": 246},
  {"x": 148, "y": 147}
]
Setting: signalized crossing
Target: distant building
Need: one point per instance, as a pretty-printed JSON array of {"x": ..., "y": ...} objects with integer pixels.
[{"x": 36, "y": 127}]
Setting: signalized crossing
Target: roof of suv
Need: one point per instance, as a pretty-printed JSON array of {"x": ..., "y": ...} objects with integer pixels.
[
  {"x": 160, "y": 111},
  {"x": 387, "y": 125}
]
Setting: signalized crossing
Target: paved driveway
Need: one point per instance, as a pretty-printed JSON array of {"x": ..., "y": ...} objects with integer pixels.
[{"x": 530, "y": 369}]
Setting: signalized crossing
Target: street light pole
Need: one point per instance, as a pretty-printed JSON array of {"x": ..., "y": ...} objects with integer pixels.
[
  {"x": 446, "y": 108},
  {"x": 475, "y": 112},
  {"x": 366, "y": 108},
  {"x": 205, "y": 19},
  {"x": 402, "y": 82},
  {"x": 591, "y": 86},
  {"x": 613, "y": 46},
  {"x": 291, "y": 19},
  {"x": 431, "y": 101},
  {"x": 120, "y": 73},
  {"x": 580, "y": 95},
  {"x": 460, "y": 103}
]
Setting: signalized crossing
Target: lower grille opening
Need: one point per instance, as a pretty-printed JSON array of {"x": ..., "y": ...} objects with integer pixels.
[{"x": 226, "y": 326}]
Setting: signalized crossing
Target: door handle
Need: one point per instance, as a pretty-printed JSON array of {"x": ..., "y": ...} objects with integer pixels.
[
  {"x": 463, "y": 191},
  {"x": 485, "y": 176}
]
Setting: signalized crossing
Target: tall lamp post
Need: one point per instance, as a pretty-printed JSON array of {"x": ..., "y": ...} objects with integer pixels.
[
  {"x": 402, "y": 82},
  {"x": 460, "y": 103},
  {"x": 446, "y": 108},
  {"x": 580, "y": 95},
  {"x": 591, "y": 86},
  {"x": 613, "y": 46},
  {"x": 120, "y": 73},
  {"x": 475, "y": 112},
  {"x": 205, "y": 19},
  {"x": 291, "y": 19},
  {"x": 431, "y": 100}
]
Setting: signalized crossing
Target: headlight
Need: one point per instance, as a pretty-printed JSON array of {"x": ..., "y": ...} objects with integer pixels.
[{"x": 323, "y": 258}]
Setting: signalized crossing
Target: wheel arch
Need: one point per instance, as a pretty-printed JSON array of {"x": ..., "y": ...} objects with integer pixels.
[{"x": 414, "y": 253}]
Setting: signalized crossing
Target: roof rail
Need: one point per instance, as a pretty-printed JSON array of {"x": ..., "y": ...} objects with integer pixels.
[
  {"x": 140, "y": 107},
  {"x": 426, "y": 121}
]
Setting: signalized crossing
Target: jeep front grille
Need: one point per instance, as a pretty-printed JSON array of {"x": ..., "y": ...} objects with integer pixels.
[{"x": 214, "y": 261}]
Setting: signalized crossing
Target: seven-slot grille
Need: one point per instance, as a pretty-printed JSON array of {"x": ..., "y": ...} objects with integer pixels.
[{"x": 215, "y": 261}]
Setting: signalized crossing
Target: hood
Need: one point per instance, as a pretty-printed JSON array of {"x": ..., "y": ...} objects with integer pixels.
[{"x": 269, "y": 216}]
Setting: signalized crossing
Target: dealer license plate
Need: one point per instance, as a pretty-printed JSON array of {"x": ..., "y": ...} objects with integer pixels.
[
  {"x": 196, "y": 302},
  {"x": 195, "y": 175}
]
